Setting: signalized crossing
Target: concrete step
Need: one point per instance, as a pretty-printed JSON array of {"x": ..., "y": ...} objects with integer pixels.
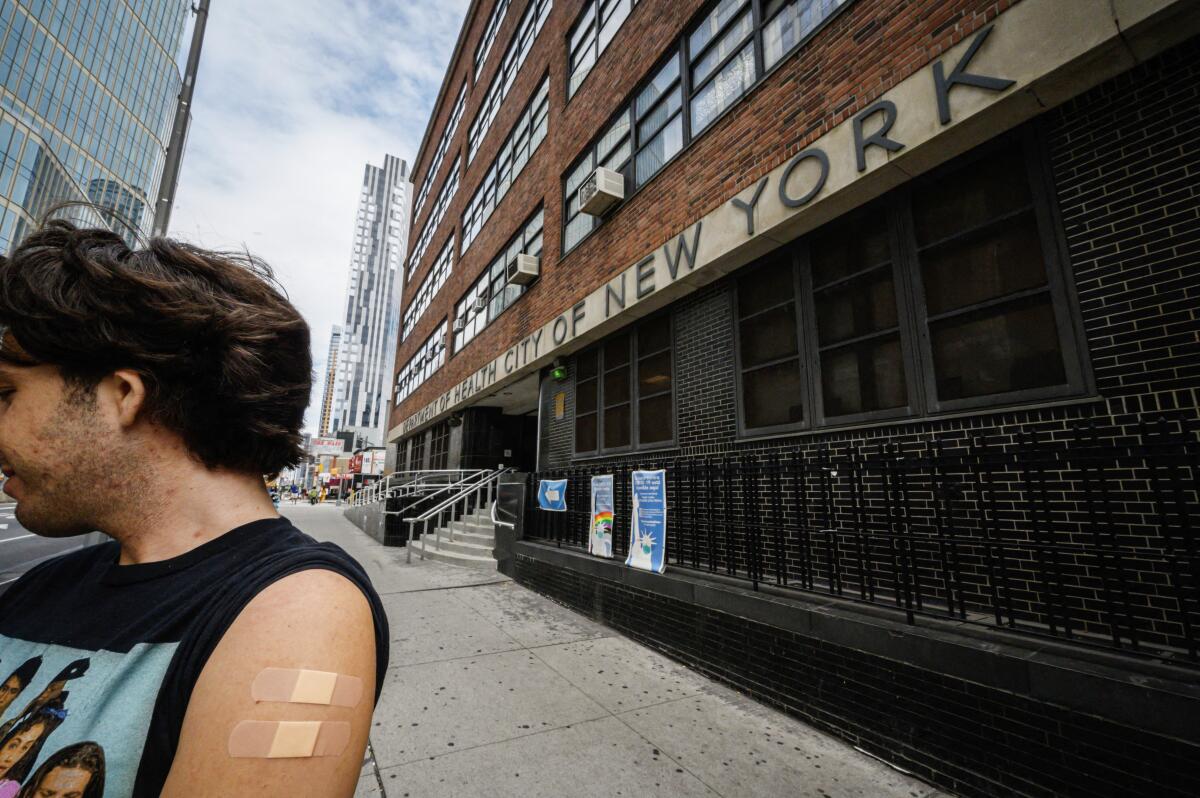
[
  {"x": 487, "y": 563},
  {"x": 462, "y": 547},
  {"x": 478, "y": 538},
  {"x": 466, "y": 526}
]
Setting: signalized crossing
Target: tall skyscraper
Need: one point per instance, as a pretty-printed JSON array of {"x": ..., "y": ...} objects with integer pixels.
[
  {"x": 87, "y": 100},
  {"x": 331, "y": 372},
  {"x": 371, "y": 326}
]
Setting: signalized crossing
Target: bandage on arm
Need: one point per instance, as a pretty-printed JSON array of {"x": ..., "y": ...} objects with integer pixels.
[{"x": 283, "y": 739}]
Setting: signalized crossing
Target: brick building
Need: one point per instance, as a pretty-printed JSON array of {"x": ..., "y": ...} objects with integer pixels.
[{"x": 902, "y": 295}]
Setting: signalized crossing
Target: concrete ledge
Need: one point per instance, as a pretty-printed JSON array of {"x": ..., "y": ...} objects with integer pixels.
[{"x": 1153, "y": 696}]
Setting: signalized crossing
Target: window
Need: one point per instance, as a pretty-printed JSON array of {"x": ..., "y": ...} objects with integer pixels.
[
  {"x": 443, "y": 146},
  {"x": 591, "y": 34},
  {"x": 522, "y": 42},
  {"x": 624, "y": 391},
  {"x": 712, "y": 66},
  {"x": 421, "y": 366},
  {"x": 416, "y": 453},
  {"x": 429, "y": 288},
  {"x": 489, "y": 34},
  {"x": 491, "y": 294},
  {"x": 943, "y": 296},
  {"x": 435, "y": 219},
  {"x": 439, "y": 446},
  {"x": 527, "y": 133}
]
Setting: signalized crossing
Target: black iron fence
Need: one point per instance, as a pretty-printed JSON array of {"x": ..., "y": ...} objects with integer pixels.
[{"x": 1080, "y": 534}]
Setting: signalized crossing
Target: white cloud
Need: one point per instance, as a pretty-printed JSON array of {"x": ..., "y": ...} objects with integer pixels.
[{"x": 293, "y": 98}]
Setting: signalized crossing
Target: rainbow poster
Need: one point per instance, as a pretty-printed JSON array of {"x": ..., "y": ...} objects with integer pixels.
[{"x": 600, "y": 538}]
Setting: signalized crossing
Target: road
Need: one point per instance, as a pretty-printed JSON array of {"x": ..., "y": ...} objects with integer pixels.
[{"x": 20, "y": 549}]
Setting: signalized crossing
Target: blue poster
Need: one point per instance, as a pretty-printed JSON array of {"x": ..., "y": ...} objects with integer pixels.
[
  {"x": 648, "y": 527},
  {"x": 601, "y": 538},
  {"x": 552, "y": 495}
]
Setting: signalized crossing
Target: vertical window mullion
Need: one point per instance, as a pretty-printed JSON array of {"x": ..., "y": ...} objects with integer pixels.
[
  {"x": 910, "y": 303},
  {"x": 756, "y": 35},
  {"x": 806, "y": 329}
]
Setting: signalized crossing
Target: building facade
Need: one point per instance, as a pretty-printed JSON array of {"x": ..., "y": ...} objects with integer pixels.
[
  {"x": 367, "y": 349},
  {"x": 331, "y": 372},
  {"x": 902, "y": 297},
  {"x": 85, "y": 114}
]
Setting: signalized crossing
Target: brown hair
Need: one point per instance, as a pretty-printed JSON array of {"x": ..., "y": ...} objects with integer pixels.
[
  {"x": 224, "y": 354},
  {"x": 87, "y": 756}
]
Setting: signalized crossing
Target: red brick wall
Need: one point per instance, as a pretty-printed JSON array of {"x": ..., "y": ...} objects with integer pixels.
[{"x": 862, "y": 53}]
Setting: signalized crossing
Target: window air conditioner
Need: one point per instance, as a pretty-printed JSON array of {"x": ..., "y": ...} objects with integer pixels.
[
  {"x": 480, "y": 305},
  {"x": 523, "y": 270},
  {"x": 603, "y": 189},
  {"x": 460, "y": 324}
]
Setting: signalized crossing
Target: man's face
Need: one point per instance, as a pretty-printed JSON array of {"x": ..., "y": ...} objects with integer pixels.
[
  {"x": 63, "y": 783},
  {"x": 8, "y": 691},
  {"x": 18, "y": 745},
  {"x": 53, "y": 450}
]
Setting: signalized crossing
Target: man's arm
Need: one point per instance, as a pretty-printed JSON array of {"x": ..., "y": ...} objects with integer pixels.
[{"x": 312, "y": 620}]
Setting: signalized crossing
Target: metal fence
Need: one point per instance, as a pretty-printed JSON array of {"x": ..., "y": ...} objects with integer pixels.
[{"x": 1081, "y": 534}]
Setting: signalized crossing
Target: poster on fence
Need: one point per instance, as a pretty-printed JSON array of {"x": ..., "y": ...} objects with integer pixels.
[
  {"x": 552, "y": 495},
  {"x": 601, "y": 538},
  {"x": 648, "y": 526}
]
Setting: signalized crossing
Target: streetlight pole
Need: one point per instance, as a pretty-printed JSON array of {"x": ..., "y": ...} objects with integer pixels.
[{"x": 179, "y": 130}]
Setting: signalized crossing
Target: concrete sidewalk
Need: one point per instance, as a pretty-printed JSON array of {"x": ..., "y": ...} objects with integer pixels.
[{"x": 494, "y": 690}]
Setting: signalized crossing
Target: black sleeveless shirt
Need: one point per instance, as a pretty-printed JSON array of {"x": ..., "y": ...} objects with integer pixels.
[{"x": 105, "y": 656}]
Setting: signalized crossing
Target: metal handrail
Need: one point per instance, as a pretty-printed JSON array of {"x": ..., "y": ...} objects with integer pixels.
[
  {"x": 496, "y": 521},
  {"x": 385, "y": 488},
  {"x": 463, "y": 496}
]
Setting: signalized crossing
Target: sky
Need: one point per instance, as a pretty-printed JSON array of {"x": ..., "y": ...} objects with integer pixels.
[{"x": 293, "y": 98}]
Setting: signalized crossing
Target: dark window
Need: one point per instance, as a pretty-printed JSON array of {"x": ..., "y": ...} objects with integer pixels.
[
  {"x": 729, "y": 47},
  {"x": 416, "y": 454},
  {"x": 940, "y": 297},
  {"x": 624, "y": 391},
  {"x": 439, "y": 446}
]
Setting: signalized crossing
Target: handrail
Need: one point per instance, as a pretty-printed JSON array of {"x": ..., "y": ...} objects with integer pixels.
[
  {"x": 385, "y": 488},
  {"x": 496, "y": 521},
  {"x": 463, "y": 496}
]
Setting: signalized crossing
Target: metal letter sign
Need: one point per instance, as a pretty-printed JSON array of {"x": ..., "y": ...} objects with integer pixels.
[
  {"x": 601, "y": 538},
  {"x": 648, "y": 529},
  {"x": 552, "y": 495}
]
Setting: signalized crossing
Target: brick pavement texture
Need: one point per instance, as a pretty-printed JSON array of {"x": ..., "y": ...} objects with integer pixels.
[{"x": 494, "y": 690}]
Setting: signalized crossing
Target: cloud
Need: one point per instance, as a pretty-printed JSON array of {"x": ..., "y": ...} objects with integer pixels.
[{"x": 293, "y": 98}]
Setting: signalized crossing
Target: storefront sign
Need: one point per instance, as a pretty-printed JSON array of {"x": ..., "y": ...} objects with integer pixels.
[
  {"x": 648, "y": 527},
  {"x": 552, "y": 495},
  {"x": 601, "y": 537},
  {"x": 320, "y": 446}
]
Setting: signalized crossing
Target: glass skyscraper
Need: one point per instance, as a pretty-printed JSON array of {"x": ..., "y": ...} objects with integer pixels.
[
  {"x": 87, "y": 92},
  {"x": 370, "y": 329}
]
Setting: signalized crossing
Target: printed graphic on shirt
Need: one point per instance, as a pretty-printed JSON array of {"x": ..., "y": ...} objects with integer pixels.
[{"x": 72, "y": 721}]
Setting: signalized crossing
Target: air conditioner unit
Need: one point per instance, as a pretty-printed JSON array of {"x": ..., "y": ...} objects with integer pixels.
[
  {"x": 523, "y": 270},
  {"x": 460, "y": 324},
  {"x": 603, "y": 189},
  {"x": 480, "y": 305}
]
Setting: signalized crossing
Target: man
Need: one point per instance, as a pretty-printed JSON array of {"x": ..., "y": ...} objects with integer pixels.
[{"x": 134, "y": 387}]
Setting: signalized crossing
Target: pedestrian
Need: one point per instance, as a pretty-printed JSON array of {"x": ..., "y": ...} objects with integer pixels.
[{"x": 184, "y": 643}]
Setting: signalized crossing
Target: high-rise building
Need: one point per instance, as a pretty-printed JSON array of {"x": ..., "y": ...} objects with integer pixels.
[
  {"x": 331, "y": 362},
  {"x": 87, "y": 99},
  {"x": 361, "y": 401}
]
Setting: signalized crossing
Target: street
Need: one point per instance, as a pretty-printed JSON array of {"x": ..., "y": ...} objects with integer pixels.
[{"x": 20, "y": 549}]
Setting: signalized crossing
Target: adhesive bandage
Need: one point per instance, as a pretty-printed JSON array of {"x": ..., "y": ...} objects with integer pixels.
[
  {"x": 283, "y": 739},
  {"x": 297, "y": 686}
]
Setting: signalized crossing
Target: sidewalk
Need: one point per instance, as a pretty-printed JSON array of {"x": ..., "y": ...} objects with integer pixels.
[{"x": 495, "y": 690}]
